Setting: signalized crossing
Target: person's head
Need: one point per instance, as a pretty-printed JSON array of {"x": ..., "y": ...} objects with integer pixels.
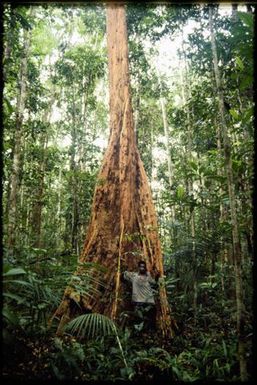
[{"x": 142, "y": 267}]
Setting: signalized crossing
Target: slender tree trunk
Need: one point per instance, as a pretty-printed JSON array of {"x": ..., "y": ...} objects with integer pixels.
[
  {"x": 221, "y": 210},
  {"x": 59, "y": 195},
  {"x": 170, "y": 170},
  {"x": 8, "y": 43},
  {"x": 122, "y": 206},
  {"x": 39, "y": 193},
  {"x": 17, "y": 150},
  {"x": 166, "y": 133},
  {"x": 26, "y": 241},
  {"x": 195, "y": 264},
  {"x": 82, "y": 154},
  {"x": 137, "y": 106},
  {"x": 74, "y": 181},
  {"x": 38, "y": 202},
  {"x": 246, "y": 202},
  {"x": 246, "y": 185},
  {"x": 24, "y": 204},
  {"x": 167, "y": 140},
  {"x": 36, "y": 215},
  {"x": 186, "y": 93},
  {"x": 237, "y": 257}
]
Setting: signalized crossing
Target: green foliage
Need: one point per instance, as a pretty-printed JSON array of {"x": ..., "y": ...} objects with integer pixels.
[
  {"x": 65, "y": 361},
  {"x": 207, "y": 362},
  {"x": 91, "y": 325},
  {"x": 65, "y": 115},
  {"x": 28, "y": 309},
  {"x": 246, "y": 18}
]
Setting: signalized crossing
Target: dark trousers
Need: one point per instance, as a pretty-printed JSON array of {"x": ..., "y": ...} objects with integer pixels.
[{"x": 145, "y": 312}]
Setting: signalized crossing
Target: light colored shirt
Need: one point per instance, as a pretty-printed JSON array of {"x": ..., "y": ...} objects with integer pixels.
[{"x": 141, "y": 286}]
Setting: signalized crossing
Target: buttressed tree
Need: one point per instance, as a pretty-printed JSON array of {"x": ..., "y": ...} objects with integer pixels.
[{"x": 123, "y": 225}]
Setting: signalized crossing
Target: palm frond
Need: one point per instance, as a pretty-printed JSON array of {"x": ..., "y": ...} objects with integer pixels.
[
  {"x": 94, "y": 324},
  {"x": 91, "y": 325}
]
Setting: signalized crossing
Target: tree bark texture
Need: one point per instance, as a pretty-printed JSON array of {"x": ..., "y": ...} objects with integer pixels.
[{"x": 123, "y": 227}]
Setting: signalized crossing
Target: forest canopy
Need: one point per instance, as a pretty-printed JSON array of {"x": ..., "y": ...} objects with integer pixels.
[{"x": 191, "y": 81}]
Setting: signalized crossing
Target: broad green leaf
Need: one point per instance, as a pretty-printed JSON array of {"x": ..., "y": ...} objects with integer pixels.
[
  {"x": 8, "y": 105},
  {"x": 24, "y": 22},
  {"x": 14, "y": 296},
  {"x": 15, "y": 271},
  {"x": 239, "y": 63},
  {"x": 176, "y": 371},
  {"x": 180, "y": 192},
  {"x": 18, "y": 281},
  {"x": 246, "y": 82},
  {"x": 234, "y": 114},
  {"x": 248, "y": 114},
  {"x": 193, "y": 165}
]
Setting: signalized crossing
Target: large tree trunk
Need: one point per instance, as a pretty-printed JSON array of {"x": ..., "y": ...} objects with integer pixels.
[
  {"x": 123, "y": 221},
  {"x": 237, "y": 255}
]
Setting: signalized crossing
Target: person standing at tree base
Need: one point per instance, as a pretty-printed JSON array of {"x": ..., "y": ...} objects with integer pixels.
[{"x": 143, "y": 295}]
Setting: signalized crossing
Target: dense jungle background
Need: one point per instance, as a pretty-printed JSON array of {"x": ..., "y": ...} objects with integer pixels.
[{"x": 191, "y": 70}]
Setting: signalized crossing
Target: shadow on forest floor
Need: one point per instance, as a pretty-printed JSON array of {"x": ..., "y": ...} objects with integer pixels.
[{"x": 47, "y": 357}]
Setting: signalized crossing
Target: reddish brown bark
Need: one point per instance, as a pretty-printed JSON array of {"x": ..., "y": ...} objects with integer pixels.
[{"x": 123, "y": 219}]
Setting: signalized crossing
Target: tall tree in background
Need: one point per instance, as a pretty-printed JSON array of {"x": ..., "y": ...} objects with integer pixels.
[
  {"x": 237, "y": 255},
  {"x": 123, "y": 225},
  {"x": 18, "y": 140}
]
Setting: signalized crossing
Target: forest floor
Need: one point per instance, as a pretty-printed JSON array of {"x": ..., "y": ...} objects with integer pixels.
[
  {"x": 203, "y": 348},
  {"x": 149, "y": 358},
  {"x": 40, "y": 358}
]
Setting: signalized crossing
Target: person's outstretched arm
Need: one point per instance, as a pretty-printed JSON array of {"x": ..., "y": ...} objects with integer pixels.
[{"x": 127, "y": 275}]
